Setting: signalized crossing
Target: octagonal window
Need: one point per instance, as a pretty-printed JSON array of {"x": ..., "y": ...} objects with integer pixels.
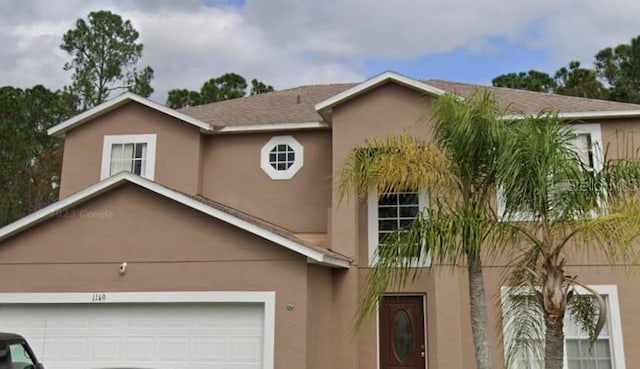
[{"x": 281, "y": 157}]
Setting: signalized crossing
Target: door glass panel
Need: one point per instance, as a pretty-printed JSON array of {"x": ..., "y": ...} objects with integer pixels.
[{"x": 402, "y": 336}]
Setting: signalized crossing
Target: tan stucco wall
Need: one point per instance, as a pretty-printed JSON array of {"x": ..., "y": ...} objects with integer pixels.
[
  {"x": 319, "y": 327},
  {"x": 387, "y": 109},
  {"x": 177, "y": 148},
  {"x": 621, "y": 137},
  {"x": 168, "y": 247},
  {"x": 232, "y": 176}
]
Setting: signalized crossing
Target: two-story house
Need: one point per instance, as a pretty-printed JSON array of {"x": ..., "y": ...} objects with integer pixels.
[{"x": 213, "y": 237}]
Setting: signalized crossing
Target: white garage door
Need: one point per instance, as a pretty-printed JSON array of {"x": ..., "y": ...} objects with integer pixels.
[{"x": 172, "y": 336}]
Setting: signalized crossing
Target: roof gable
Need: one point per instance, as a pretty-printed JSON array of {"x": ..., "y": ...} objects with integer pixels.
[
  {"x": 374, "y": 82},
  {"x": 61, "y": 128},
  {"x": 245, "y": 222}
]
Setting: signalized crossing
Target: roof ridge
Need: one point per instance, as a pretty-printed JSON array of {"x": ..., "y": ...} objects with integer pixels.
[{"x": 270, "y": 93}]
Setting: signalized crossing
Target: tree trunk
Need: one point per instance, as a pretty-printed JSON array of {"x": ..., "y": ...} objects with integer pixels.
[
  {"x": 554, "y": 341},
  {"x": 478, "y": 313}
]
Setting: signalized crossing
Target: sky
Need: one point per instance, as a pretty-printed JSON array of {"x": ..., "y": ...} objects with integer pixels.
[{"x": 287, "y": 43}]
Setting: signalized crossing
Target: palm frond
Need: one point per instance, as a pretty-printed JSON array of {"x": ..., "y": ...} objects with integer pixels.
[
  {"x": 469, "y": 132},
  {"x": 394, "y": 164},
  {"x": 523, "y": 328}
]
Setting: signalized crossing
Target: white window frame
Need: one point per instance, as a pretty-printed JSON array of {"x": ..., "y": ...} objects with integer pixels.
[
  {"x": 298, "y": 160},
  {"x": 614, "y": 322},
  {"x": 372, "y": 223},
  {"x": 595, "y": 131},
  {"x": 110, "y": 140}
]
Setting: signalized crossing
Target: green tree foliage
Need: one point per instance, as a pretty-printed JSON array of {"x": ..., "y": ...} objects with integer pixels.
[
  {"x": 620, "y": 68},
  {"x": 578, "y": 81},
  {"x": 227, "y": 86},
  {"x": 105, "y": 55},
  {"x": 616, "y": 76},
  {"x": 571, "y": 81},
  {"x": 30, "y": 158},
  {"x": 459, "y": 174},
  {"x": 258, "y": 87},
  {"x": 181, "y": 98},
  {"x": 532, "y": 80}
]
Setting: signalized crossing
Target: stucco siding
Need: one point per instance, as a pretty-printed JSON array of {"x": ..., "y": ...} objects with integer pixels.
[
  {"x": 177, "y": 159},
  {"x": 232, "y": 176}
]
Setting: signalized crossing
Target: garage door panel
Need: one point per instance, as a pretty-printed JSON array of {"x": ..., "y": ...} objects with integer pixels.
[
  {"x": 138, "y": 348},
  {"x": 104, "y": 348},
  {"x": 244, "y": 350},
  {"x": 178, "y": 335},
  {"x": 173, "y": 348},
  {"x": 208, "y": 349}
]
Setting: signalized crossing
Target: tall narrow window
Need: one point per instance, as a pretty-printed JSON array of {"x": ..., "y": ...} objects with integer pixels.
[
  {"x": 584, "y": 146},
  {"x": 129, "y": 153}
]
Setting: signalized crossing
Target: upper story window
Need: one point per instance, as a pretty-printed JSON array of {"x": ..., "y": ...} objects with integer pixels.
[
  {"x": 281, "y": 157},
  {"x": 389, "y": 212},
  {"x": 129, "y": 153},
  {"x": 588, "y": 144}
]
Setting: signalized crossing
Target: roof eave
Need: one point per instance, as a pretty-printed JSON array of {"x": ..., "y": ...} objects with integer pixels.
[
  {"x": 331, "y": 261},
  {"x": 60, "y": 129},
  {"x": 271, "y": 127},
  {"x": 601, "y": 114}
]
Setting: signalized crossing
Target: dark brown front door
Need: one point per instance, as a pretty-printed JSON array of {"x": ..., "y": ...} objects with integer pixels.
[{"x": 402, "y": 344}]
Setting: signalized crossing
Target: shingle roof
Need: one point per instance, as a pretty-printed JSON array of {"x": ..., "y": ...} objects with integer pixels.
[
  {"x": 267, "y": 225},
  {"x": 529, "y": 102},
  {"x": 296, "y": 105}
]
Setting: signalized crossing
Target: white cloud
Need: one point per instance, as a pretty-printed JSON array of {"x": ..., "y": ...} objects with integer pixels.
[{"x": 292, "y": 42}]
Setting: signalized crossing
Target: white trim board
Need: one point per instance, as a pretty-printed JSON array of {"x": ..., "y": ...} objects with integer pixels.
[
  {"x": 269, "y": 127},
  {"x": 371, "y": 83},
  {"x": 266, "y": 298},
  {"x": 583, "y": 114},
  {"x": 315, "y": 255},
  {"x": 107, "y": 145},
  {"x": 61, "y": 128}
]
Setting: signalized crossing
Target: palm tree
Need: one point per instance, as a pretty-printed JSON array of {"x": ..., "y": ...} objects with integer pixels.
[
  {"x": 459, "y": 172},
  {"x": 560, "y": 199}
]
